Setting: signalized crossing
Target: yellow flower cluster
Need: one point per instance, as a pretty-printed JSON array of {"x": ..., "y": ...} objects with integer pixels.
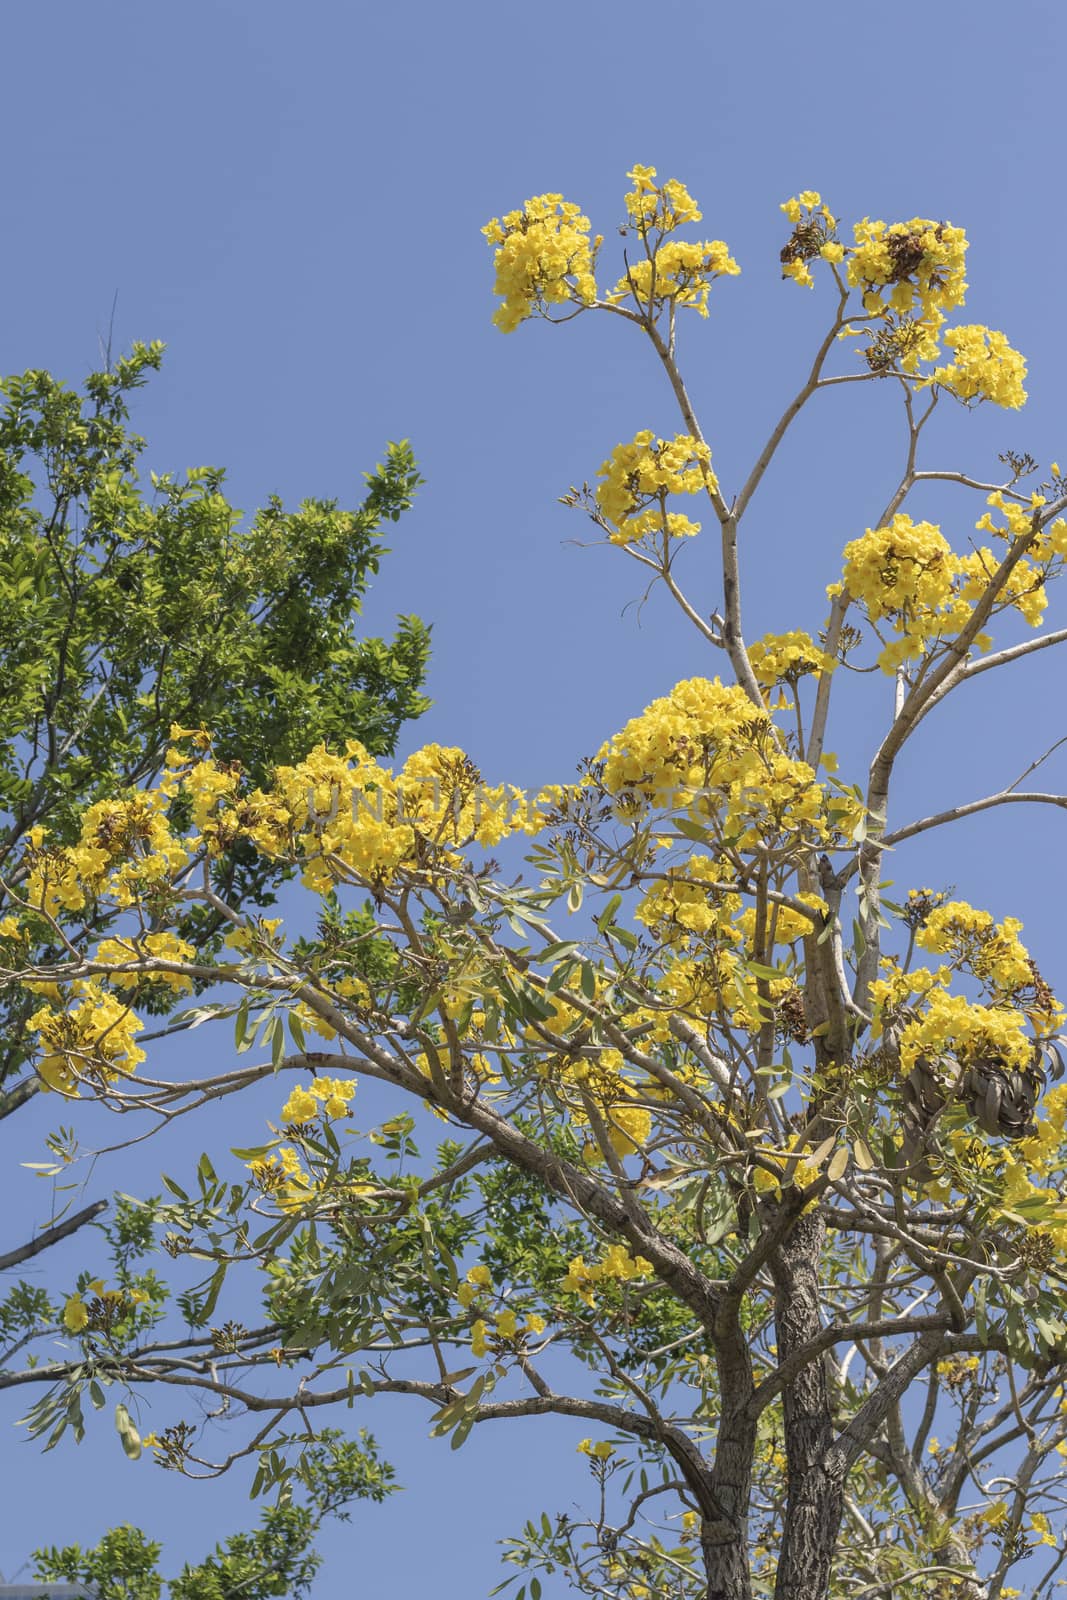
[
  {"x": 984, "y": 367},
  {"x": 905, "y": 571},
  {"x": 784, "y": 925},
  {"x": 76, "y": 1312},
  {"x": 813, "y": 238},
  {"x": 684, "y": 902},
  {"x": 764, "y": 1181},
  {"x": 991, "y": 951},
  {"x": 125, "y": 848},
  {"x": 808, "y": 200},
  {"x": 478, "y": 1280},
  {"x": 637, "y": 477},
  {"x": 708, "y": 737},
  {"x": 681, "y": 271},
  {"x": 544, "y": 257},
  {"x": 333, "y": 1094},
  {"x": 1049, "y": 543},
  {"x": 952, "y": 1023},
  {"x": 786, "y": 657},
  {"x": 711, "y": 986},
  {"x": 617, "y": 1266},
  {"x": 90, "y": 1038},
  {"x": 149, "y": 947},
  {"x": 909, "y": 268},
  {"x": 346, "y": 814},
  {"x": 506, "y": 1327},
  {"x": 908, "y": 573},
  {"x": 658, "y": 207},
  {"x": 704, "y": 734},
  {"x": 601, "y": 1080},
  {"x": 1024, "y": 590}
]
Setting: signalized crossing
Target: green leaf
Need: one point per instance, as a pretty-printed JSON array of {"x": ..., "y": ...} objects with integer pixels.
[
  {"x": 296, "y": 1030},
  {"x": 692, "y": 830},
  {"x": 460, "y": 1435},
  {"x": 240, "y": 1028},
  {"x": 607, "y": 916},
  {"x": 131, "y": 1442}
]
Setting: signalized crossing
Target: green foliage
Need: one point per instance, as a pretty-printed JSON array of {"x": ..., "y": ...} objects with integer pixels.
[
  {"x": 276, "y": 1558},
  {"x": 127, "y": 606}
]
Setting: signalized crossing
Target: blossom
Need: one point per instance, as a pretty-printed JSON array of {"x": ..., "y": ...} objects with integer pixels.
[
  {"x": 93, "y": 1037},
  {"x": 660, "y": 207},
  {"x": 149, "y": 948},
  {"x": 637, "y": 477},
  {"x": 300, "y": 1107},
  {"x": 992, "y": 952},
  {"x": 984, "y": 367},
  {"x": 617, "y": 1265},
  {"x": 786, "y": 657},
  {"x": 601, "y": 1451},
  {"x": 909, "y": 268},
  {"x": 680, "y": 271},
  {"x": 75, "y": 1314},
  {"x": 544, "y": 257}
]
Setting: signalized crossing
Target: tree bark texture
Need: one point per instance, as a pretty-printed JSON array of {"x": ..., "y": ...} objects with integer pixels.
[{"x": 814, "y": 1494}]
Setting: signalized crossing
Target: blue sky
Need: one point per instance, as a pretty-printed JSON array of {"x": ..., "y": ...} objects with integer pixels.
[{"x": 291, "y": 197}]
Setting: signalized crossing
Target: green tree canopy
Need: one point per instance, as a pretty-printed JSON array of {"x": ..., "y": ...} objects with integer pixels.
[
  {"x": 129, "y": 607},
  {"x": 274, "y": 1559}
]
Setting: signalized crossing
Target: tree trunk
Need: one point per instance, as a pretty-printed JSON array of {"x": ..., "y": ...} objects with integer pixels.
[
  {"x": 725, "y": 1533},
  {"x": 814, "y": 1499}
]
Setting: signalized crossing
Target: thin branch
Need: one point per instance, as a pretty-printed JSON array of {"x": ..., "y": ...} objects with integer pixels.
[
  {"x": 51, "y": 1236},
  {"x": 955, "y": 813}
]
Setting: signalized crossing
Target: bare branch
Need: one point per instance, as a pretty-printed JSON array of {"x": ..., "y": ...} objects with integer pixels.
[{"x": 51, "y": 1236}]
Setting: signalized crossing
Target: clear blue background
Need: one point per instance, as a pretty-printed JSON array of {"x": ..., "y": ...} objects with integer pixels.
[{"x": 290, "y": 196}]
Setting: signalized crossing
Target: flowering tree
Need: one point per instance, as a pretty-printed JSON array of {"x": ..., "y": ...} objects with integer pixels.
[{"x": 758, "y": 1194}]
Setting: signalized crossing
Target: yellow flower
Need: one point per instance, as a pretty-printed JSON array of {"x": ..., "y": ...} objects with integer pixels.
[
  {"x": 636, "y": 479},
  {"x": 909, "y": 268},
  {"x": 544, "y": 257},
  {"x": 681, "y": 271},
  {"x": 658, "y": 207},
  {"x": 75, "y": 1314},
  {"x": 1039, "y": 1524},
  {"x": 985, "y": 367},
  {"x": 602, "y": 1450},
  {"x": 301, "y": 1106}
]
